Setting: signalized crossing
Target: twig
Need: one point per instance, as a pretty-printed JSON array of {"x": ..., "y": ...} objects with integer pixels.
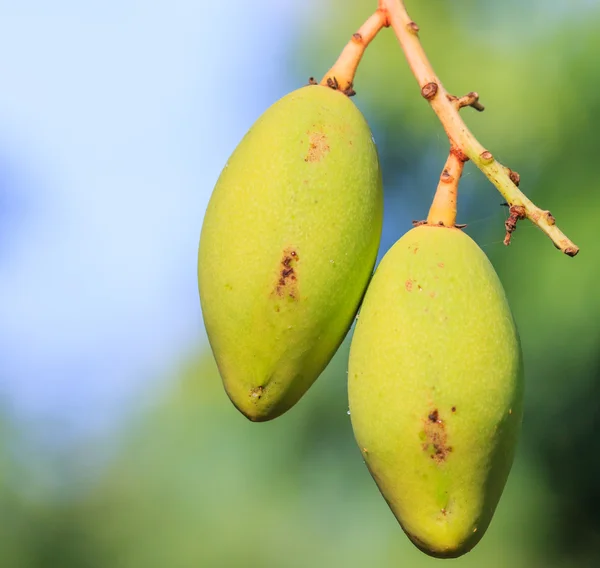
[
  {"x": 470, "y": 99},
  {"x": 443, "y": 208},
  {"x": 459, "y": 135},
  {"x": 341, "y": 75}
]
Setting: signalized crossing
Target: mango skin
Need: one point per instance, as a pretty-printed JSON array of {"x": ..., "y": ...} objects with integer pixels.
[
  {"x": 287, "y": 247},
  {"x": 436, "y": 386}
]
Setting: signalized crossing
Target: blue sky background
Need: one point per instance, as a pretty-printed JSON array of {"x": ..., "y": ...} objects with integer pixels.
[{"x": 115, "y": 120}]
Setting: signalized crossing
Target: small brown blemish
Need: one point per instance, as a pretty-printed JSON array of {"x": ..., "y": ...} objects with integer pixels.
[
  {"x": 257, "y": 392},
  {"x": 415, "y": 251},
  {"x": 287, "y": 276},
  {"x": 408, "y": 285},
  {"x": 441, "y": 264},
  {"x": 460, "y": 155},
  {"x": 429, "y": 90},
  {"x": 453, "y": 409},
  {"x": 443, "y": 511},
  {"x": 317, "y": 147},
  {"x": 514, "y": 177},
  {"x": 432, "y": 294},
  {"x": 435, "y": 437},
  {"x": 446, "y": 177},
  {"x": 486, "y": 156}
]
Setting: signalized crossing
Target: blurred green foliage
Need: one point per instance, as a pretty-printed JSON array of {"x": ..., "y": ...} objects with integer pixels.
[{"x": 190, "y": 483}]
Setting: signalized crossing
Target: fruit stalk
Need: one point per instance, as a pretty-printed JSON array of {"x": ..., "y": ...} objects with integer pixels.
[
  {"x": 443, "y": 208},
  {"x": 341, "y": 75},
  {"x": 445, "y": 107}
]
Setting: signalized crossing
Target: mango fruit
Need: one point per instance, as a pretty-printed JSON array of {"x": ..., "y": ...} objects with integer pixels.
[
  {"x": 435, "y": 385},
  {"x": 288, "y": 244}
]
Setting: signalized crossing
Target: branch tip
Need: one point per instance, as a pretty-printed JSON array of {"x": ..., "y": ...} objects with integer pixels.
[
  {"x": 571, "y": 251},
  {"x": 470, "y": 99}
]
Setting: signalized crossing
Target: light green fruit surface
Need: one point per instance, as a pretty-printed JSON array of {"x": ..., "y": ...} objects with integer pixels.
[
  {"x": 435, "y": 387},
  {"x": 288, "y": 245}
]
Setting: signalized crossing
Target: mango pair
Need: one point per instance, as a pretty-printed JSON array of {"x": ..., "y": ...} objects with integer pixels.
[{"x": 287, "y": 251}]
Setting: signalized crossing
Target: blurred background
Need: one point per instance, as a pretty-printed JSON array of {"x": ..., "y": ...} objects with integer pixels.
[{"x": 118, "y": 446}]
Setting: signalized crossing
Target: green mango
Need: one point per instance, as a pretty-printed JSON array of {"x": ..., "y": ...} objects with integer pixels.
[
  {"x": 435, "y": 385},
  {"x": 288, "y": 245}
]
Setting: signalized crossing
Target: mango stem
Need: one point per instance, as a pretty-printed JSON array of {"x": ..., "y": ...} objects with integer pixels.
[
  {"x": 443, "y": 208},
  {"x": 341, "y": 75},
  {"x": 461, "y": 138}
]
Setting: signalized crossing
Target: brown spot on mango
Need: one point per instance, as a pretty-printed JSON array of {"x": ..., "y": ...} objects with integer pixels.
[
  {"x": 317, "y": 147},
  {"x": 287, "y": 279},
  {"x": 257, "y": 392},
  {"x": 435, "y": 438}
]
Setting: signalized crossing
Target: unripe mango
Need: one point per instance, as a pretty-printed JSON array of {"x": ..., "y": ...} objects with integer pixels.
[
  {"x": 288, "y": 245},
  {"x": 435, "y": 387}
]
